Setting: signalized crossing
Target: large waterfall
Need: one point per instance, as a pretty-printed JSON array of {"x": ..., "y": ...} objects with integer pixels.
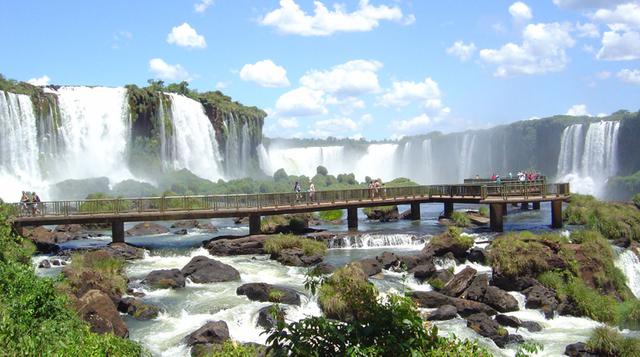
[
  {"x": 196, "y": 148},
  {"x": 237, "y": 153},
  {"x": 588, "y": 155},
  {"x": 303, "y": 160}
]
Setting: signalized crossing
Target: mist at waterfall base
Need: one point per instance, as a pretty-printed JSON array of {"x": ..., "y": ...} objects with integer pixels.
[{"x": 185, "y": 310}]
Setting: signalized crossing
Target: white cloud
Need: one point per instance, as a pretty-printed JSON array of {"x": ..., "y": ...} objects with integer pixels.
[
  {"x": 617, "y": 46},
  {"x": 366, "y": 119},
  {"x": 202, "y": 5},
  {"x": 520, "y": 11},
  {"x": 223, "y": 85},
  {"x": 40, "y": 81},
  {"x": 301, "y": 101},
  {"x": 587, "y": 29},
  {"x": 415, "y": 125},
  {"x": 186, "y": 36},
  {"x": 352, "y": 78},
  {"x": 163, "y": 70},
  {"x": 121, "y": 38},
  {"x": 542, "y": 51},
  {"x": 578, "y": 110},
  {"x": 288, "y": 123},
  {"x": 265, "y": 73},
  {"x": 623, "y": 16},
  {"x": 586, "y": 4},
  {"x": 461, "y": 50},
  {"x": 336, "y": 127},
  {"x": 403, "y": 93},
  {"x": 291, "y": 19},
  {"x": 629, "y": 75}
]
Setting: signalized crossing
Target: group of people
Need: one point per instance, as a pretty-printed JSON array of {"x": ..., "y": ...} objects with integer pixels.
[
  {"x": 30, "y": 202},
  {"x": 375, "y": 188},
  {"x": 522, "y": 176},
  {"x": 298, "y": 190}
]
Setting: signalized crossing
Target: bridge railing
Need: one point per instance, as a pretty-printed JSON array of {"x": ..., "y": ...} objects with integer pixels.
[{"x": 289, "y": 199}]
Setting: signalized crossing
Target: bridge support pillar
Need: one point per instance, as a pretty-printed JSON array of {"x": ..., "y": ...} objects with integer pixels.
[
  {"x": 524, "y": 206},
  {"x": 117, "y": 231},
  {"x": 448, "y": 209},
  {"x": 504, "y": 209},
  {"x": 415, "y": 211},
  {"x": 556, "y": 214},
  {"x": 536, "y": 205},
  {"x": 495, "y": 216},
  {"x": 352, "y": 218},
  {"x": 254, "y": 224}
]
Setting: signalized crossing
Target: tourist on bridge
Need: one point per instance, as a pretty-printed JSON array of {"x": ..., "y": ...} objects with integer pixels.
[
  {"x": 35, "y": 202},
  {"x": 24, "y": 200},
  {"x": 312, "y": 191},
  {"x": 371, "y": 189},
  {"x": 297, "y": 190}
]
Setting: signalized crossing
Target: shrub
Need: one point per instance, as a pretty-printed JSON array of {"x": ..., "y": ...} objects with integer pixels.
[
  {"x": 106, "y": 270},
  {"x": 484, "y": 211},
  {"x": 436, "y": 283},
  {"x": 335, "y": 294},
  {"x": 636, "y": 200},
  {"x": 232, "y": 349},
  {"x": 460, "y": 219},
  {"x": 332, "y": 215},
  {"x": 274, "y": 244},
  {"x": 613, "y": 220},
  {"x": 321, "y": 170},
  {"x": 605, "y": 341}
]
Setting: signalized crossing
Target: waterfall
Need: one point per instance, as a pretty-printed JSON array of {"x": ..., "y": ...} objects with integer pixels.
[
  {"x": 629, "y": 263},
  {"x": 167, "y": 139},
  {"x": 465, "y": 160},
  {"x": 588, "y": 158},
  {"x": 377, "y": 162},
  {"x": 19, "y": 168},
  {"x": 196, "y": 147},
  {"x": 303, "y": 160},
  {"x": 237, "y": 154},
  {"x": 427, "y": 169},
  {"x": 94, "y": 131},
  {"x": 375, "y": 241}
]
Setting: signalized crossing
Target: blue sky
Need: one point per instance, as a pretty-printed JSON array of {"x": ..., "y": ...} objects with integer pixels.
[{"x": 374, "y": 69}]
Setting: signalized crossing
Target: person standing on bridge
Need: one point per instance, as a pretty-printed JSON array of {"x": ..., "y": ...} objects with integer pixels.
[
  {"x": 297, "y": 190},
  {"x": 24, "y": 200},
  {"x": 312, "y": 191},
  {"x": 36, "y": 203}
]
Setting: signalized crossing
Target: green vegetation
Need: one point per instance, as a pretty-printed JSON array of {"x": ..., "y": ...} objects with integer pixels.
[
  {"x": 369, "y": 211},
  {"x": 636, "y": 200},
  {"x": 274, "y": 244},
  {"x": 436, "y": 283},
  {"x": 345, "y": 283},
  {"x": 331, "y": 216},
  {"x": 380, "y": 327},
  {"x": 460, "y": 219},
  {"x": 454, "y": 235},
  {"x": 613, "y": 220},
  {"x": 98, "y": 266},
  {"x": 229, "y": 349},
  {"x": 623, "y": 187},
  {"x": 288, "y": 223},
  {"x": 483, "y": 211},
  {"x": 34, "y": 317},
  {"x": 605, "y": 341},
  {"x": 43, "y": 104}
]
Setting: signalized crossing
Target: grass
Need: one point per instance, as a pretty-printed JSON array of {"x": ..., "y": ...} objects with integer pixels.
[
  {"x": 605, "y": 341},
  {"x": 293, "y": 223},
  {"x": 275, "y": 244},
  {"x": 483, "y": 211},
  {"x": 229, "y": 349},
  {"x": 460, "y": 219},
  {"x": 465, "y": 242},
  {"x": 104, "y": 270},
  {"x": 336, "y": 293},
  {"x": 636, "y": 200},
  {"x": 436, "y": 283},
  {"x": 613, "y": 220},
  {"x": 330, "y": 216}
]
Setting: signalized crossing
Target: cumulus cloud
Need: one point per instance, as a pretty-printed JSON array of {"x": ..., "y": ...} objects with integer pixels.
[
  {"x": 622, "y": 16},
  {"x": 403, "y": 93},
  {"x": 289, "y": 18},
  {"x": 629, "y": 75},
  {"x": 415, "y": 125},
  {"x": 202, "y": 5},
  {"x": 461, "y": 50},
  {"x": 352, "y": 78},
  {"x": 542, "y": 51},
  {"x": 40, "y": 81},
  {"x": 587, "y": 29},
  {"x": 265, "y": 73},
  {"x": 520, "y": 11},
  {"x": 336, "y": 127},
  {"x": 578, "y": 110},
  {"x": 301, "y": 101},
  {"x": 288, "y": 123},
  {"x": 620, "y": 46},
  {"x": 165, "y": 71},
  {"x": 186, "y": 36}
]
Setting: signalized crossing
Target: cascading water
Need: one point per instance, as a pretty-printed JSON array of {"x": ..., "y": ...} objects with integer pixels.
[
  {"x": 19, "y": 168},
  {"x": 378, "y": 162},
  {"x": 629, "y": 263},
  {"x": 303, "y": 160},
  {"x": 376, "y": 241},
  {"x": 237, "y": 155},
  {"x": 465, "y": 159},
  {"x": 195, "y": 140},
  {"x": 167, "y": 140},
  {"x": 588, "y": 158}
]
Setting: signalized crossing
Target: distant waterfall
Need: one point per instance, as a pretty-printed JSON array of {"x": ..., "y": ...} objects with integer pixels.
[
  {"x": 465, "y": 159},
  {"x": 94, "y": 131},
  {"x": 630, "y": 265},
  {"x": 168, "y": 152},
  {"x": 588, "y": 158},
  {"x": 196, "y": 147},
  {"x": 303, "y": 160},
  {"x": 237, "y": 147},
  {"x": 378, "y": 162}
]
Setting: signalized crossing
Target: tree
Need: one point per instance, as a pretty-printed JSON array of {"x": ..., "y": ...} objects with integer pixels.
[
  {"x": 280, "y": 175},
  {"x": 321, "y": 170}
]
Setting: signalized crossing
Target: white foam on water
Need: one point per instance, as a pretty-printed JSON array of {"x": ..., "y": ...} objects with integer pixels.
[{"x": 629, "y": 263}]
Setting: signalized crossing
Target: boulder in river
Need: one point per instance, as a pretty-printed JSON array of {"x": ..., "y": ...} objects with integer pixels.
[
  {"x": 267, "y": 292},
  {"x": 382, "y": 214},
  {"x": 45, "y": 264},
  {"x": 460, "y": 282},
  {"x": 323, "y": 269},
  {"x": 433, "y": 299},
  {"x": 444, "y": 312},
  {"x": 146, "y": 229},
  {"x": 138, "y": 309},
  {"x": 236, "y": 246},
  {"x": 165, "y": 278},
  {"x": 451, "y": 241},
  {"x": 194, "y": 224},
  {"x": 540, "y": 297},
  {"x": 202, "y": 269},
  {"x": 124, "y": 251},
  {"x": 578, "y": 349},
  {"x": 296, "y": 257},
  {"x": 211, "y": 332},
  {"x": 97, "y": 309},
  {"x": 269, "y": 316},
  {"x": 482, "y": 324},
  {"x": 370, "y": 266}
]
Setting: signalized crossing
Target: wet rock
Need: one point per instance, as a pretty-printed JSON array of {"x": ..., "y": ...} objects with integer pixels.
[
  {"x": 47, "y": 241},
  {"x": 540, "y": 297},
  {"x": 181, "y": 232},
  {"x": 138, "y": 309},
  {"x": 288, "y": 223},
  {"x": 444, "y": 312},
  {"x": 211, "y": 332},
  {"x": 477, "y": 288},
  {"x": 382, "y": 214},
  {"x": 165, "y": 279},
  {"x": 296, "y": 257},
  {"x": 194, "y": 224},
  {"x": 370, "y": 266},
  {"x": 406, "y": 215},
  {"x": 97, "y": 309},
  {"x": 532, "y": 326},
  {"x": 323, "y": 269},
  {"x": 445, "y": 243},
  {"x": 506, "y": 320},
  {"x": 443, "y": 275},
  {"x": 267, "y": 292},
  {"x": 513, "y": 284},
  {"x": 241, "y": 220},
  {"x": 206, "y": 270},
  {"x": 55, "y": 262},
  {"x": 237, "y": 246},
  {"x": 424, "y": 271},
  {"x": 124, "y": 251},
  {"x": 146, "y": 229},
  {"x": 500, "y": 299},
  {"x": 578, "y": 349},
  {"x": 269, "y": 316},
  {"x": 477, "y": 255},
  {"x": 433, "y": 299},
  {"x": 460, "y": 282},
  {"x": 387, "y": 259},
  {"x": 482, "y": 324},
  {"x": 45, "y": 264}
]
